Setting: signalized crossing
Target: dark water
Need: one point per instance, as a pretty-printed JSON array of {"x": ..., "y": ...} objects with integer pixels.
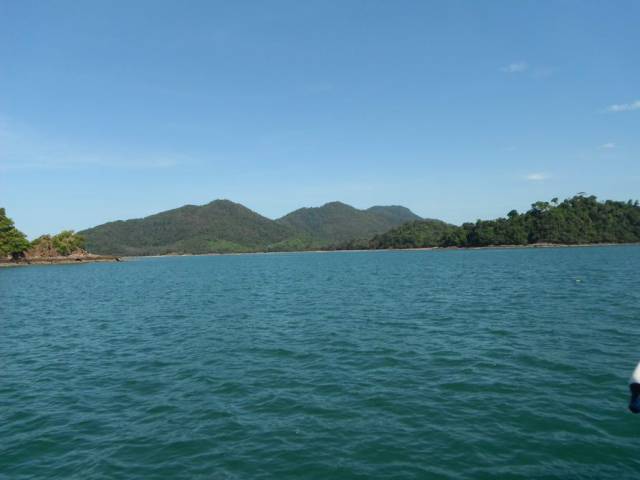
[{"x": 452, "y": 364}]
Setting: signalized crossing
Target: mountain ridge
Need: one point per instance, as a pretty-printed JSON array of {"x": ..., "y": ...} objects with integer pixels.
[
  {"x": 338, "y": 222},
  {"x": 224, "y": 226}
]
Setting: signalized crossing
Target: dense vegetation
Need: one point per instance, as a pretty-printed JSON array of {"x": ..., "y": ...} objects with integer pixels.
[
  {"x": 577, "y": 220},
  {"x": 416, "y": 234},
  {"x": 223, "y": 226},
  {"x": 65, "y": 243},
  {"x": 14, "y": 243},
  {"x": 336, "y": 222},
  {"x": 220, "y": 226}
]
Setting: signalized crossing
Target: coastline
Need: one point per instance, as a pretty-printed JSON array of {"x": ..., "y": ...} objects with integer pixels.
[
  {"x": 412, "y": 249},
  {"x": 70, "y": 260},
  {"x": 75, "y": 260}
]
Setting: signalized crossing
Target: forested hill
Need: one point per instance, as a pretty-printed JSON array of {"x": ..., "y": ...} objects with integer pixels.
[
  {"x": 220, "y": 226},
  {"x": 577, "y": 220},
  {"x": 337, "y": 222},
  {"x": 223, "y": 226}
]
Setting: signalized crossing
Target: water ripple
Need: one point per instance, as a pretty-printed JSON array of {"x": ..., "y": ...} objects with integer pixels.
[{"x": 468, "y": 364}]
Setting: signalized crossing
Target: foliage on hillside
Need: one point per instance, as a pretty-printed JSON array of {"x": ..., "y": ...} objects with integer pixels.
[
  {"x": 577, "y": 220},
  {"x": 221, "y": 226},
  {"x": 64, "y": 244},
  {"x": 225, "y": 227},
  {"x": 13, "y": 243},
  {"x": 394, "y": 214},
  {"x": 416, "y": 234},
  {"x": 337, "y": 222}
]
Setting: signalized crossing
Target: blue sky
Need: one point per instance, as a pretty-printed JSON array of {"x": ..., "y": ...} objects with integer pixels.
[{"x": 458, "y": 110}]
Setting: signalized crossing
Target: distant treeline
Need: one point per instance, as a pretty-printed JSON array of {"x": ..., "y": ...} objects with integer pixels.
[{"x": 577, "y": 220}]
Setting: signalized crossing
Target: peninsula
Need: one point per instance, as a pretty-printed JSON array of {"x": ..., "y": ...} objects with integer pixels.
[{"x": 65, "y": 247}]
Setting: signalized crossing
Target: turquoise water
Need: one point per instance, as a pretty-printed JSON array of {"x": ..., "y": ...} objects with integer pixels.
[{"x": 433, "y": 364}]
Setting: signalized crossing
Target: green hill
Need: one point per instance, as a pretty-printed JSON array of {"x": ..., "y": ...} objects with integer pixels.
[
  {"x": 220, "y": 226},
  {"x": 337, "y": 222},
  {"x": 577, "y": 220},
  {"x": 395, "y": 214},
  {"x": 223, "y": 226}
]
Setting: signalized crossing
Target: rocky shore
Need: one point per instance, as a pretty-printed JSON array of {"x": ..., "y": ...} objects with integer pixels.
[{"x": 58, "y": 260}]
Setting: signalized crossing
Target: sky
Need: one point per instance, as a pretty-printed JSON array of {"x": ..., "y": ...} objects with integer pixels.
[{"x": 456, "y": 109}]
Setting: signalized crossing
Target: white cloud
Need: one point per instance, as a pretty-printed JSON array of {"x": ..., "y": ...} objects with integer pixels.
[
  {"x": 516, "y": 67},
  {"x": 537, "y": 177},
  {"x": 624, "y": 107},
  {"x": 609, "y": 145}
]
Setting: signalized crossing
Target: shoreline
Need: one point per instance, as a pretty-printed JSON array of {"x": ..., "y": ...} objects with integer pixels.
[
  {"x": 412, "y": 249},
  {"x": 71, "y": 260},
  {"x": 113, "y": 258}
]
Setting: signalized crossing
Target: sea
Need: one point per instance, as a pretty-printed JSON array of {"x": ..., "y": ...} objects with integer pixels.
[{"x": 453, "y": 364}]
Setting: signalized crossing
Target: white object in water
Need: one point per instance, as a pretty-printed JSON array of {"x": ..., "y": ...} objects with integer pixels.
[
  {"x": 635, "y": 376},
  {"x": 634, "y": 387}
]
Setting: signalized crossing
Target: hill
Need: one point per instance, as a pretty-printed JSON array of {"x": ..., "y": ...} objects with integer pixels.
[
  {"x": 577, "y": 220},
  {"x": 220, "y": 226},
  {"x": 223, "y": 226},
  {"x": 394, "y": 214},
  {"x": 336, "y": 222}
]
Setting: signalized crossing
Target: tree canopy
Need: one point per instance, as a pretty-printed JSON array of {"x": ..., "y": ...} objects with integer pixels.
[
  {"x": 63, "y": 244},
  {"x": 13, "y": 243},
  {"x": 577, "y": 220}
]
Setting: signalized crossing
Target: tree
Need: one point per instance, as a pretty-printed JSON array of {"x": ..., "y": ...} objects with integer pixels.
[
  {"x": 13, "y": 242},
  {"x": 67, "y": 242},
  {"x": 540, "y": 206},
  {"x": 576, "y": 220}
]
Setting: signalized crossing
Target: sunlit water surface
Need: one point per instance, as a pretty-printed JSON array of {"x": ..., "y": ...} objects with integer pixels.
[{"x": 434, "y": 364}]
